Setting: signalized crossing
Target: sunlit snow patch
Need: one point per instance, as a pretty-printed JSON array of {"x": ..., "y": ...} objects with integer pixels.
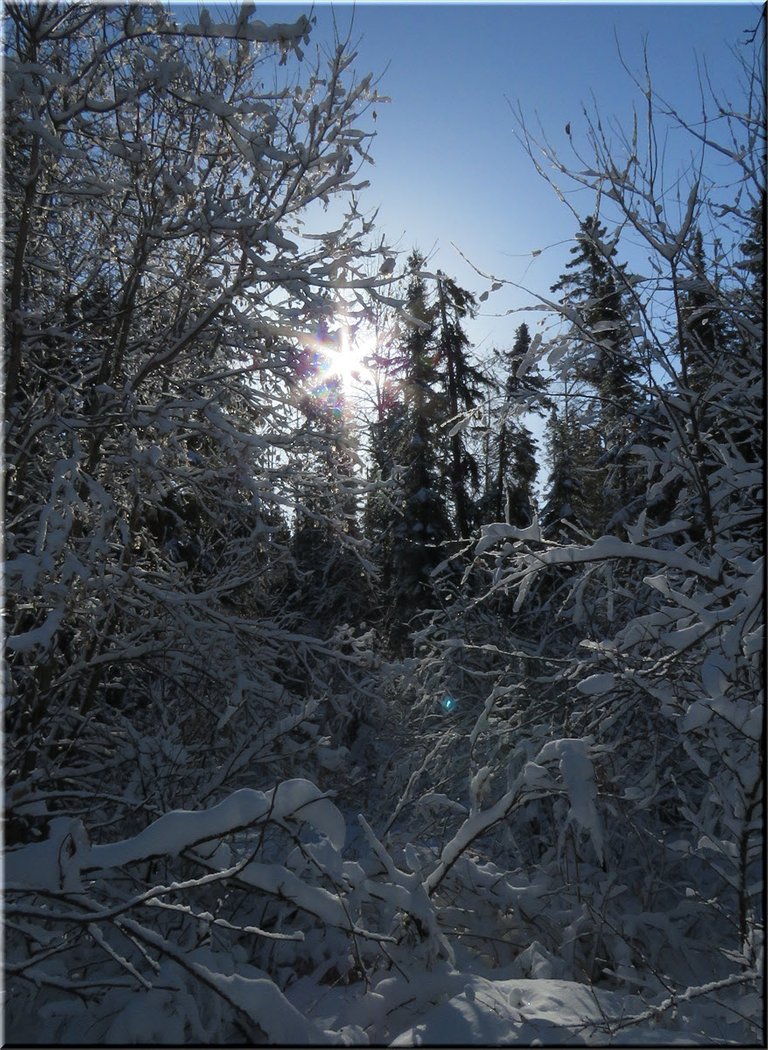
[{"x": 529, "y": 1013}]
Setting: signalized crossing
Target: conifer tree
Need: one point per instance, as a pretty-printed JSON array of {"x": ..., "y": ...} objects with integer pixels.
[
  {"x": 511, "y": 451},
  {"x": 703, "y": 336},
  {"x": 605, "y": 358},
  {"x": 573, "y": 503},
  {"x": 408, "y": 521},
  {"x": 604, "y": 361},
  {"x": 332, "y": 586},
  {"x": 463, "y": 384},
  {"x": 752, "y": 264}
]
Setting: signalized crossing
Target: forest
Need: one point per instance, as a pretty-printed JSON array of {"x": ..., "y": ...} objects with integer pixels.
[{"x": 395, "y": 726}]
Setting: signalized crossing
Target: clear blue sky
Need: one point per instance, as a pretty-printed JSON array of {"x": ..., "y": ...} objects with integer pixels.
[{"x": 448, "y": 167}]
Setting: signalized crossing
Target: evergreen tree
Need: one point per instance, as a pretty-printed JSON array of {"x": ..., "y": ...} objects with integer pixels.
[
  {"x": 752, "y": 264},
  {"x": 603, "y": 359},
  {"x": 511, "y": 463},
  {"x": 573, "y": 503},
  {"x": 333, "y": 588},
  {"x": 463, "y": 384},
  {"x": 408, "y": 521},
  {"x": 703, "y": 324},
  {"x": 523, "y": 387},
  {"x": 520, "y": 500}
]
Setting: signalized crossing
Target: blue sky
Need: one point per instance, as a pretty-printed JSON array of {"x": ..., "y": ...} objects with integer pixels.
[{"x": 448, "y": 167}]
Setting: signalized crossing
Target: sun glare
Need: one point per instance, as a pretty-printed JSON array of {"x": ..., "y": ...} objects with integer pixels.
[{"x": 348, "y": 359}]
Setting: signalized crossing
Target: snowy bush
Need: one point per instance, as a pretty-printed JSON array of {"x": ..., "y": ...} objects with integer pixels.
[
  {"x": 153, "y": 444},
  {"x": 668, "y": 686},
  {"x": 160, "y": 295}
]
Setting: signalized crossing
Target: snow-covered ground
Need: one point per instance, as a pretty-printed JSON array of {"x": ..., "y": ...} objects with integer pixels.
[{"x": 464, "y": 1009}]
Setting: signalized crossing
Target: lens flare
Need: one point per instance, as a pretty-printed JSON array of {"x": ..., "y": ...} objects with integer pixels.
[
  {"x": 347, "y": 359},
  {"x": 335, "y": 367}
]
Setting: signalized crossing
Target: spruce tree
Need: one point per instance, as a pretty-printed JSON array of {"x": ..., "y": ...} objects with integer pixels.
[
  {"x": 594, "y": 286},
  {"x": 511, "y": 461},
  {"x": 410, "y": 514},
  {"x": 752, "y": 263},
  {"x": 703, "y": 334},
  {"x": 573, "y": 502},
  {"x": 463, "y": 384},
  {"x": 605, "y": 362},
  {"x": 333, "y": 588}
]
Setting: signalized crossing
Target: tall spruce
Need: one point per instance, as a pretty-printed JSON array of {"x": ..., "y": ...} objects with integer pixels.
[
  {"x": 511, "y": 462},
  {"x": 573, "y": 504},
  {"x": 411, "y": 514},
  {"x": 463, "y": 383},
  {"x": 595, "y": 286},
  {"x": 603, "y": 359},
  {"x": 703, "y": 336},
  {"x": 333, "y": 588}
]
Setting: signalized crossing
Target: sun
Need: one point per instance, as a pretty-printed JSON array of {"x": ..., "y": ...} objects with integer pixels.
[{"x": 350, "y": 357}]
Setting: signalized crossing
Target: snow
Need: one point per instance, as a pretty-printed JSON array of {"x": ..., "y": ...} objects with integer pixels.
[
  {"x": 596, "y": 684},
  {"x": 530, "y": 357},
  {"x": 279, "y": 881},
  {"x": 523, "y": 1012},
  {"x": 267, "y": 1007},
  {"x": 55, "y": 863},
  {"x": 696, "y": 716},
  {"x": 492, "y": 534},
  {"x": 39, "y": 637},
  {"x": 256, "y": 32},
  {"x": 578, "y": 776},
  {"x": 715, "y": 675}
]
